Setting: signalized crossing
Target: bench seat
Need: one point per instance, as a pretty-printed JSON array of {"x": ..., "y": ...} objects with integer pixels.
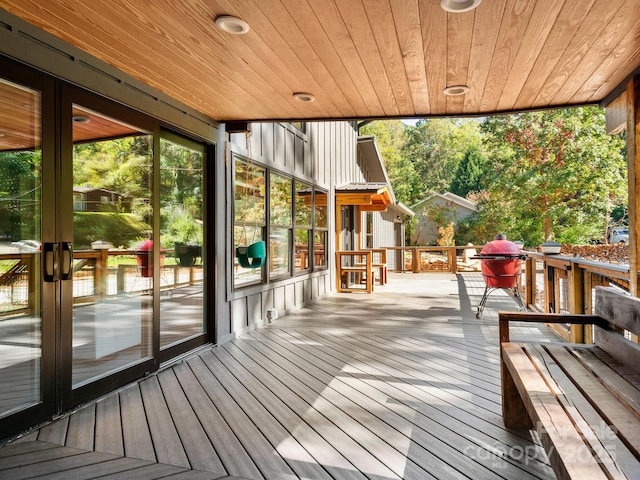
[{"x": 582, "y": 400}]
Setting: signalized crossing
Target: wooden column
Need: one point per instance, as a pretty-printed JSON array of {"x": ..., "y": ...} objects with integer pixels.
[{"x": 633, "y": 166}]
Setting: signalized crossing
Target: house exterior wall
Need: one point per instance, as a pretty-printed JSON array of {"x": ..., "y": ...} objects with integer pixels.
[
  {"x": 426, "y": 231},
  {"x": 324, "y": 155}
]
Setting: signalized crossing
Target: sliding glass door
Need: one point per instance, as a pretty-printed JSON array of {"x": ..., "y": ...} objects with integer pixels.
[{"x": 102, "y": 246}]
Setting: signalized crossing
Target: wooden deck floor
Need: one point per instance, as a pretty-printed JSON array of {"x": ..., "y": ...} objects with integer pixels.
[{"x": 401, "y": 384}]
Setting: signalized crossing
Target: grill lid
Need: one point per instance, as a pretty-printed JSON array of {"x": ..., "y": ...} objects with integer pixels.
[{"x": 501, "y": 248}]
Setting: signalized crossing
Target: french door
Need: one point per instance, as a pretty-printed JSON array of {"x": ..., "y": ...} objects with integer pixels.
[{"x": 101, "y": 230}]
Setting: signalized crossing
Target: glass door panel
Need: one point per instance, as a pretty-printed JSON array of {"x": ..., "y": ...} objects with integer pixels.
[
  {"x": 20, "y": 248},
  {"x": 181, "y": 239},
  {"x": 113, "y": 252}
]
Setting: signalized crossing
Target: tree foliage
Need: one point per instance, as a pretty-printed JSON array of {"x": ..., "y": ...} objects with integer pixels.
[
  {"x": 535, "y": 176},
  {"x": 554, "y": 175}
]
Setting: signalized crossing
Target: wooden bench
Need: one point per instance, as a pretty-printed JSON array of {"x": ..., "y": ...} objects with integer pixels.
[
  {"x": 357, "y": 263},
  {"x": 583, "y": 400},
  {"x": 378, "y": 262}
]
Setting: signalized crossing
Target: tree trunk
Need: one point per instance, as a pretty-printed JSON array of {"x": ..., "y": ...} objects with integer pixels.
[{"x": 548, "y": 230}]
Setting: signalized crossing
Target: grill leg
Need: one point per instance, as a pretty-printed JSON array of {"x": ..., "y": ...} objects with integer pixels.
[
  {"x": 482, "y": 302},
  {"x": 518, "y": 297}
]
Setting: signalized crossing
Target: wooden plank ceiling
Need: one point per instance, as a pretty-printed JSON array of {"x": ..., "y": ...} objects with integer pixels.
[{"x": 359, "y": 58}]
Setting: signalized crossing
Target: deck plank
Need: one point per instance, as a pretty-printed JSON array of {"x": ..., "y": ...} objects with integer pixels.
[
  {"x": 380, "y": 397},
  {"x": 287, "y": 432},
  {"x": 232, "y": 453},
  {"x": 108, "y": 426},
  {"x": 166, "y": 441},
  {"x": 311, "y": 427},
  {"x": 403, "y": 383},
  {"x": 80, "y": 433},
  {"x": 198, "y": 448},
  {"x": 272, "y": 465},
  {"x": 136, "y": 437}
]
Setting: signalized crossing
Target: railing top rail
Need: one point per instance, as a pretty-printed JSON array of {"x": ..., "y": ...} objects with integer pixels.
[{"x": 611, "y": 269}]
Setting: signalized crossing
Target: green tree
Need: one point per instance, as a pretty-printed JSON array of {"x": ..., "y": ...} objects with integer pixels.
[
  {"x": 470, "y": 173},
  {"x": 20, "y": 194},
  {"x": 435, "y": 148},
  {"x": 554, "y": 175}
]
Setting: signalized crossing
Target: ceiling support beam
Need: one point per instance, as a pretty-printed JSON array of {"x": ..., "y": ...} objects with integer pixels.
[{"x": 633, "y": 166}]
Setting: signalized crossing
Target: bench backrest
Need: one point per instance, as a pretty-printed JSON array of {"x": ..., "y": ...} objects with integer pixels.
[{"x": 623, "y": 313}]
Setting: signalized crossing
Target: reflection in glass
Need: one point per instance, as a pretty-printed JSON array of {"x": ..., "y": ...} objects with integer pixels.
[
  {"x": 181, "y": 237},
  {"x": 113, "y": 251},
  {"x": 302, "y": 249},
  {"x": 304, "y": 202},
  {"x": 320, "y": 249},
  {"x": 281, "y": 215},
  {"x": 20, "y": 235},
  {"x": 320, "y": 223},
  {"x": 249, "y": 217}
]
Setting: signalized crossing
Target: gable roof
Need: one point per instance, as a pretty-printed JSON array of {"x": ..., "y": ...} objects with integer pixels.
[{"x": 449, "y": 197}]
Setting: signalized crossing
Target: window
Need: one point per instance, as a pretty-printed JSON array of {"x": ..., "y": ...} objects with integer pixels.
[
  {"x": 281, "y": 222},
  {"x": 302, "y": 229},
  {"x": 320, "y": 234},
  {"x": 368, "y": 233},
  {"x": 249, "y": 217},
  {"x": 182, "y": 235},
  {"x": 302, "y": 126}
]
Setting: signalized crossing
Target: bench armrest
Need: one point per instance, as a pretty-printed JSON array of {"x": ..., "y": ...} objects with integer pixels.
[{"x": 505, "y": 317}]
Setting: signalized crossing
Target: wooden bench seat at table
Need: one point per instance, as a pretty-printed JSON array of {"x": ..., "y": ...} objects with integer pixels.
[
  {"x": 379, "y": 263},
  {"x": 358, "y": 262},
  {"x": 583, "y": 400}
]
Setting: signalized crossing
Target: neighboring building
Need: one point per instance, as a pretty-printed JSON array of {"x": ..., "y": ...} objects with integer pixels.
[
  {"x": 90, "y": 199},
  {"x": 447, "y": 206}
]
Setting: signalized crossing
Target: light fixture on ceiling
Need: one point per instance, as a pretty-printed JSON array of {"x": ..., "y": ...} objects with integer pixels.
[
  {"x": 81, "y": 119},
  {"x": 455, "y": 90},
  {"x": 458, "y": 6},
  {"x": 304, "y": 97},
  {"x": 230, "y": 24}
]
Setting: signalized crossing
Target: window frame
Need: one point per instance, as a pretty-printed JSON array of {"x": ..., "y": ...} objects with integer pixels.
[
  {"x": 289, "y": 228},
  {"x": 256, "y": 225}
]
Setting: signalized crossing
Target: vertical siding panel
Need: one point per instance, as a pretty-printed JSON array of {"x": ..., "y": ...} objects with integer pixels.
[
  {"x": 267, "y": 142},
  {"x": 289, "y": 296},
  {"x": 239, "y": 320},
  {"x": 279, "y": 145},
  {"x": 279, "y": 300},
  {"x": 254, "y": 309}
]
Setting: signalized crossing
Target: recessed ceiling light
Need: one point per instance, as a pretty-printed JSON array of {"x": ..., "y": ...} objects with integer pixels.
[
  {"x": 457, "y": 6},
  {"x": 304, "y": 97},
  {"x": 233, "y": 25},
  {"x": 455, "y": 90},
  {"x": 81, "y": 119}
]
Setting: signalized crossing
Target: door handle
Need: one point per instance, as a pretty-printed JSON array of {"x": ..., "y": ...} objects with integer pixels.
[
  {"x": 50, "y": 251},
  {"x": 66, "y": 261}
]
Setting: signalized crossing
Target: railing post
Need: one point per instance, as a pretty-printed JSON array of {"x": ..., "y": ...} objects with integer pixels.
[
  {"x": 453, "y": 260},
  {"x": 576, "y": 299},
  {"x": 549, "y": 289},
  {"x": 530, "y": 281},
  {"x": 120, "y": 279},
  {"x": 101, "y": 273},
  {"x": 415, "y": 260}
]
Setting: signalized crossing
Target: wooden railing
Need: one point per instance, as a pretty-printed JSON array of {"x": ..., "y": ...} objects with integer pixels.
[
  {"x": 561, "y": 284},
  {"x": 97, "y": 274},
  {"x": 419, "y": 259},
  {"x": 549, "y": 283}
]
